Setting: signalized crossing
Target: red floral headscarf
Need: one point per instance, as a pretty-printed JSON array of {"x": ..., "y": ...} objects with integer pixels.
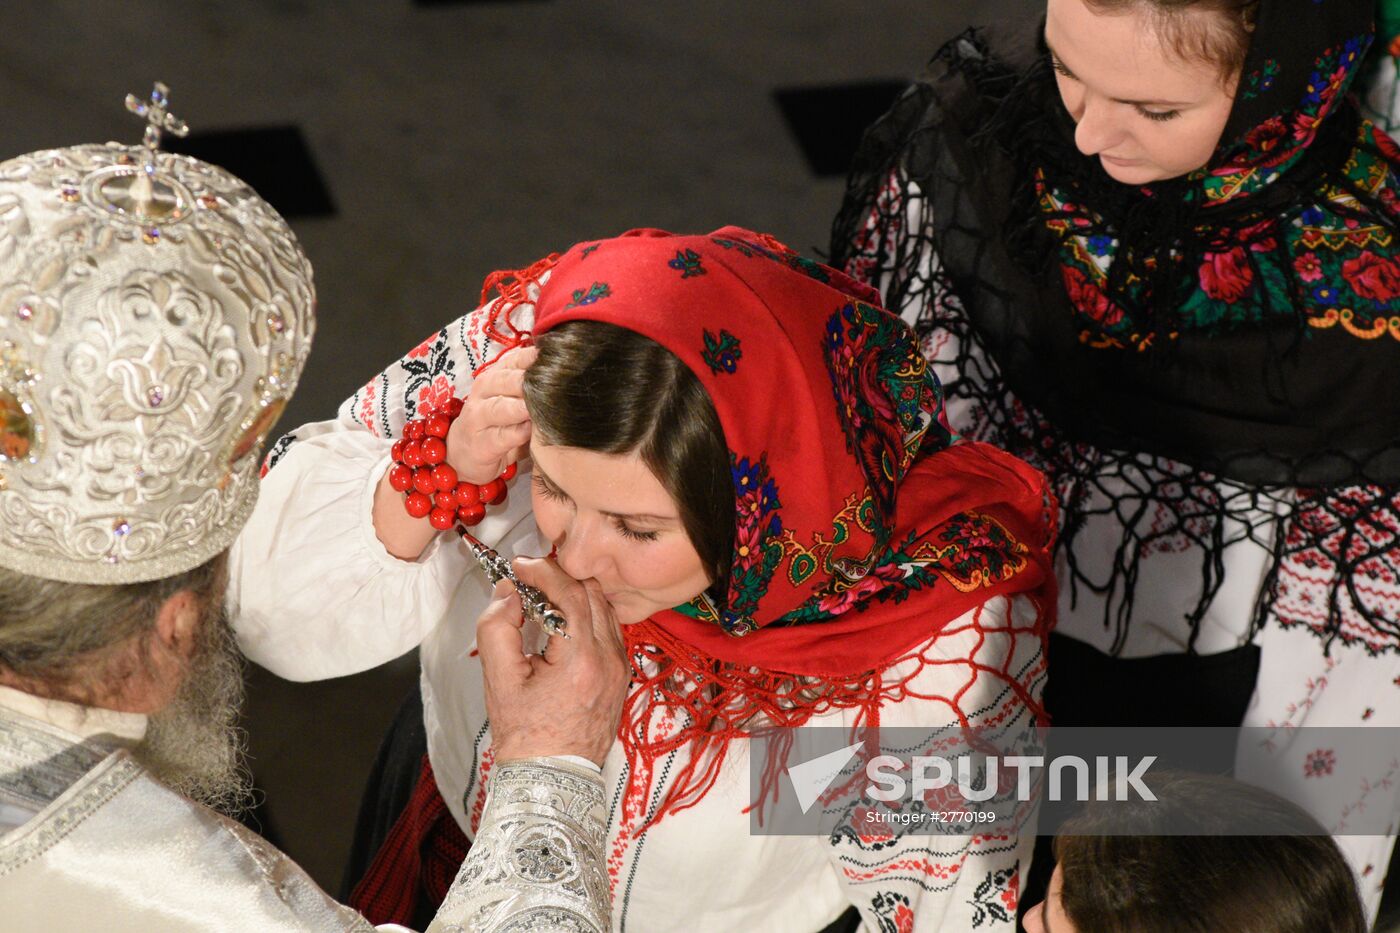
[{"x": 863, "y": 526}]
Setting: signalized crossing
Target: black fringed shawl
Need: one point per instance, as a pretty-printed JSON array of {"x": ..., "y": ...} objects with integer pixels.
[{"x": 1225, "y": 346}]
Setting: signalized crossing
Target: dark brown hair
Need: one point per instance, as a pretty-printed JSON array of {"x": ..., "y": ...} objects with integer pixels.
[
  {"x": 1223, "y": 44},
  {"x": 604, "y": 388},
  {"x": 1136, "y": 882}
]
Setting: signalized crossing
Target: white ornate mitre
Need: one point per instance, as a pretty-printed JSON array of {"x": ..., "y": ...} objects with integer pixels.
[{"x": 155, "y": 314}]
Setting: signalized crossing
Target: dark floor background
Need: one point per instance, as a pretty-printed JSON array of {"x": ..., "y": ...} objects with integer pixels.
[{"x": 417, "y": 146}]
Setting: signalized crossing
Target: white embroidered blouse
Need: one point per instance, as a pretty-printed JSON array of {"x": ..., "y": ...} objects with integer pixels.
[{"x": 315, "y": 595}]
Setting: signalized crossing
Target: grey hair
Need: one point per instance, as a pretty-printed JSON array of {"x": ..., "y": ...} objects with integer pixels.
[{"x": 69, "y": 638}]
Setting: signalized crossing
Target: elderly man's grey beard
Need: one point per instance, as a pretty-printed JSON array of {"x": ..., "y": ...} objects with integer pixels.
[{"x": 194, "y": 745}]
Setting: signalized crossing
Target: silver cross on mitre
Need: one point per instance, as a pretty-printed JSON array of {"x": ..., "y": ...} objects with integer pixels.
[{"x": 158, "y": 120}]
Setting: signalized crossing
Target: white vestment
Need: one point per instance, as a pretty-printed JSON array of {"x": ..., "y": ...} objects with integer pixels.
[{"x": 90, "y": 840}]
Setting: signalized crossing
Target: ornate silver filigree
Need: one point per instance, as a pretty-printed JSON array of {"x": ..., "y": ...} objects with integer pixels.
[
  {"x": 543, "y": 855},
  {"x": 536, "y": 863},
  {"x": 149, "y": 337},
  {"x": 536, "y": 605}
]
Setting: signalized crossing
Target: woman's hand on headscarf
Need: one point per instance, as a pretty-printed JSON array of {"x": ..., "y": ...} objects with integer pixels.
[
  {"x": 568, "y": 701},
  {"x": 493, "y": 430}
]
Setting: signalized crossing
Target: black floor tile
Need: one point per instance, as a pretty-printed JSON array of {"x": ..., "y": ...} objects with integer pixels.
[
  {"x": 828, "y": 121},
  {"x": 275, "y": 160}
]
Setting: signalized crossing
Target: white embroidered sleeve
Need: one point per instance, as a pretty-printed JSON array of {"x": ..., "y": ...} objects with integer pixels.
[{"x": 313, "y": 593}]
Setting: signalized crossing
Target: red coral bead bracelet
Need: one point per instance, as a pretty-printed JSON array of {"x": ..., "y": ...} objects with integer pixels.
[{"x": 432, "y": 487}]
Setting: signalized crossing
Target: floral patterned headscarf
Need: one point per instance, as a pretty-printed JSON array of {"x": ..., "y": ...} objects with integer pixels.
[
  {"x": 1241, "y": 319},
  {"x": 863, "y": 526},
  {"x": 1294, "y": 218}
]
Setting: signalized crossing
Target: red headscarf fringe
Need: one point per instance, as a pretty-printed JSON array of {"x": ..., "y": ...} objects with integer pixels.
[
  {"x": 513, "y": 287},
  {"x": 723, "y": 702}
]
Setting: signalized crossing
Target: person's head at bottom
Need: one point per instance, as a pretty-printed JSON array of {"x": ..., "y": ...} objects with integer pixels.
[{"x": 1113, "y": 875}]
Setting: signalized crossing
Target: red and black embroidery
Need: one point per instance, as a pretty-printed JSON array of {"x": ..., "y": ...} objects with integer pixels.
[
  {"x": 430, "y": 372},
  {"x": 994, "y": 899},
  {"x": 277, "y": 451},
  {"x": 893, "y": 912}
]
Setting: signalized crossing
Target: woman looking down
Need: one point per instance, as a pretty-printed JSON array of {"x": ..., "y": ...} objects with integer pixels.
[{"x": 1150, "y": 246}]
